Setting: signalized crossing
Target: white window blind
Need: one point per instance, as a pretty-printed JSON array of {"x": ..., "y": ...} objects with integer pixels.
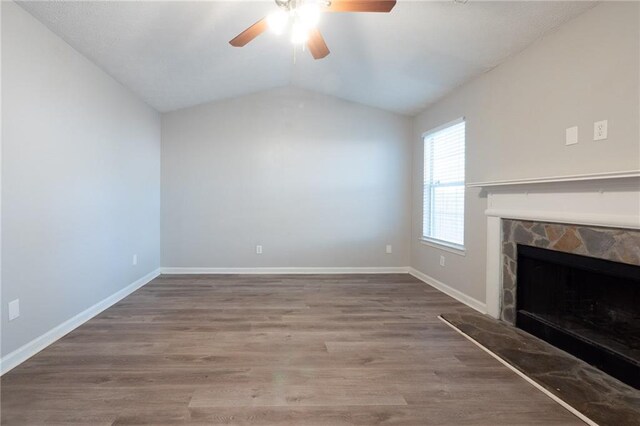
[{"x": 443, "y": 208}]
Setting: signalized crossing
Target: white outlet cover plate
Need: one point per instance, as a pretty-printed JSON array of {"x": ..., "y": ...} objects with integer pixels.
[
  {"x": 571, "y": 137},
  {"x": 600, "y": 130}
]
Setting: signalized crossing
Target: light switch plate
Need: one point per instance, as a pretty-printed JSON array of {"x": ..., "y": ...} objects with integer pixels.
[
  {"x": 600, "y": 130},
  {"x": 571, "y": 137},
  {"x": 389, "y": 249}
]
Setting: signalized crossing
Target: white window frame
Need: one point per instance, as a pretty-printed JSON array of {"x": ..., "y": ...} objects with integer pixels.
[{"x": 434, "y": 242}]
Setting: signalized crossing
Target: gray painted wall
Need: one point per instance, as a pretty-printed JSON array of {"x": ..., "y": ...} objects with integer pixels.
[
  {"x": 516, "y": 120},
  {"x": 80, "y": 181},
  {"x": 316, "y": 180}
]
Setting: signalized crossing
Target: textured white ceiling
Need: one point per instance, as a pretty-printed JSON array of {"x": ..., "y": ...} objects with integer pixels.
[{"x": 176, "y": 54}]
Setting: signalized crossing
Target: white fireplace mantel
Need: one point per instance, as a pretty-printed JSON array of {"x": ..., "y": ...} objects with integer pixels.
[{"x": 602, "y": 199}]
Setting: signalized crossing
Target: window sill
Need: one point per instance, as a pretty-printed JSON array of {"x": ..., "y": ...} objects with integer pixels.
[{"x": 451, "y": 248}]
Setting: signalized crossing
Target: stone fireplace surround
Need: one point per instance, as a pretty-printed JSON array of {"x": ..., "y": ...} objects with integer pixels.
[{"x": 616, "y": 244}]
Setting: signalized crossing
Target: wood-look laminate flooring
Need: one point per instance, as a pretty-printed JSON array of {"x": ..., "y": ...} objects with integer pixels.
[{"x": 273, "y": 350}]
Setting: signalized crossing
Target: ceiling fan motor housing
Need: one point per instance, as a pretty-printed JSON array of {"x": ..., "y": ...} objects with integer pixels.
[
  {"x": 292, "y": 4},
  {"x": 284, "y": 3}
]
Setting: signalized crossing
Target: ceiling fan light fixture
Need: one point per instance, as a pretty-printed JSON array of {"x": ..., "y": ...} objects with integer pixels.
[
  {"x": 301, "y": 18},
  {"x": 277, "y": 21}
]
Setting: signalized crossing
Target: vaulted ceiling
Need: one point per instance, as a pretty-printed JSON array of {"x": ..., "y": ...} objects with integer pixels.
[{"x": 176, "y": 54}]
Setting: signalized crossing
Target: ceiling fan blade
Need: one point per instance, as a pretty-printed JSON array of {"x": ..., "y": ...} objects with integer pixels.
[
  {"x": 250, "y": 33},
  {"x": 361, "y": 6},
  {"x": 317, "y": 45}
]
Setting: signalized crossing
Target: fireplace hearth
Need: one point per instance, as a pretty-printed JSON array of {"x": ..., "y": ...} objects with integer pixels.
[{"x": 588, "y": 307}]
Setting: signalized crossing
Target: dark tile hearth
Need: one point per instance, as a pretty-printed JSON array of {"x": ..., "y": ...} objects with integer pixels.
[{"x": 598, "y": 396}]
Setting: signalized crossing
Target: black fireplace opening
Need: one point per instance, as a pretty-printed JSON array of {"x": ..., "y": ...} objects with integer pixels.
[{"x": 585, "y": 306}]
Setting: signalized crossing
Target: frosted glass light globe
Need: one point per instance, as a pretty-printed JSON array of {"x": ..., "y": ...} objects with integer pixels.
[
  {"x": 299, "y": 33},
  {"x": 309, "y": 14}
]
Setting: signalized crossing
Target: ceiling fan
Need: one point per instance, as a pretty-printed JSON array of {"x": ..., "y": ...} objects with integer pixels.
[{"x": 302, "y": 17}]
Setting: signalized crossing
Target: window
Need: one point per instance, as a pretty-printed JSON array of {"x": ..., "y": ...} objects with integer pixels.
[{"x": 443, "y": 202}]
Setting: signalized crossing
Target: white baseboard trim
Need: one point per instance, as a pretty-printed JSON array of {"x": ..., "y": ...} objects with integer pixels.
[
  {"x": 286, "y": 271},
  {"x": 456, "y": 294},
  {"x": 20, "y": 355}
]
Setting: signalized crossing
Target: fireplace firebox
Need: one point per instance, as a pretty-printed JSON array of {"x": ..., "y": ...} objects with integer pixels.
[{"x": 586, "y": 306}]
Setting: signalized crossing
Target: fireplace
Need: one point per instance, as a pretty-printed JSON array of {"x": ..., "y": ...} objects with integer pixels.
[
  {"x": 586, "y": 306},
  {"x": 593, "y": 215}
]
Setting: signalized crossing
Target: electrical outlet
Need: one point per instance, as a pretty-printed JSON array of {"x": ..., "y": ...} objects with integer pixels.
[
  {"x": 258, "y": 249},
  {"x": 134, "y": 261},
  {"x": 571, "y": 136},
  {"x": 389, "y": 249},
  {"x": 600, "y": 130},
  {"x": 442, "y": 262},
  {"x": 14, "y": 309}
]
